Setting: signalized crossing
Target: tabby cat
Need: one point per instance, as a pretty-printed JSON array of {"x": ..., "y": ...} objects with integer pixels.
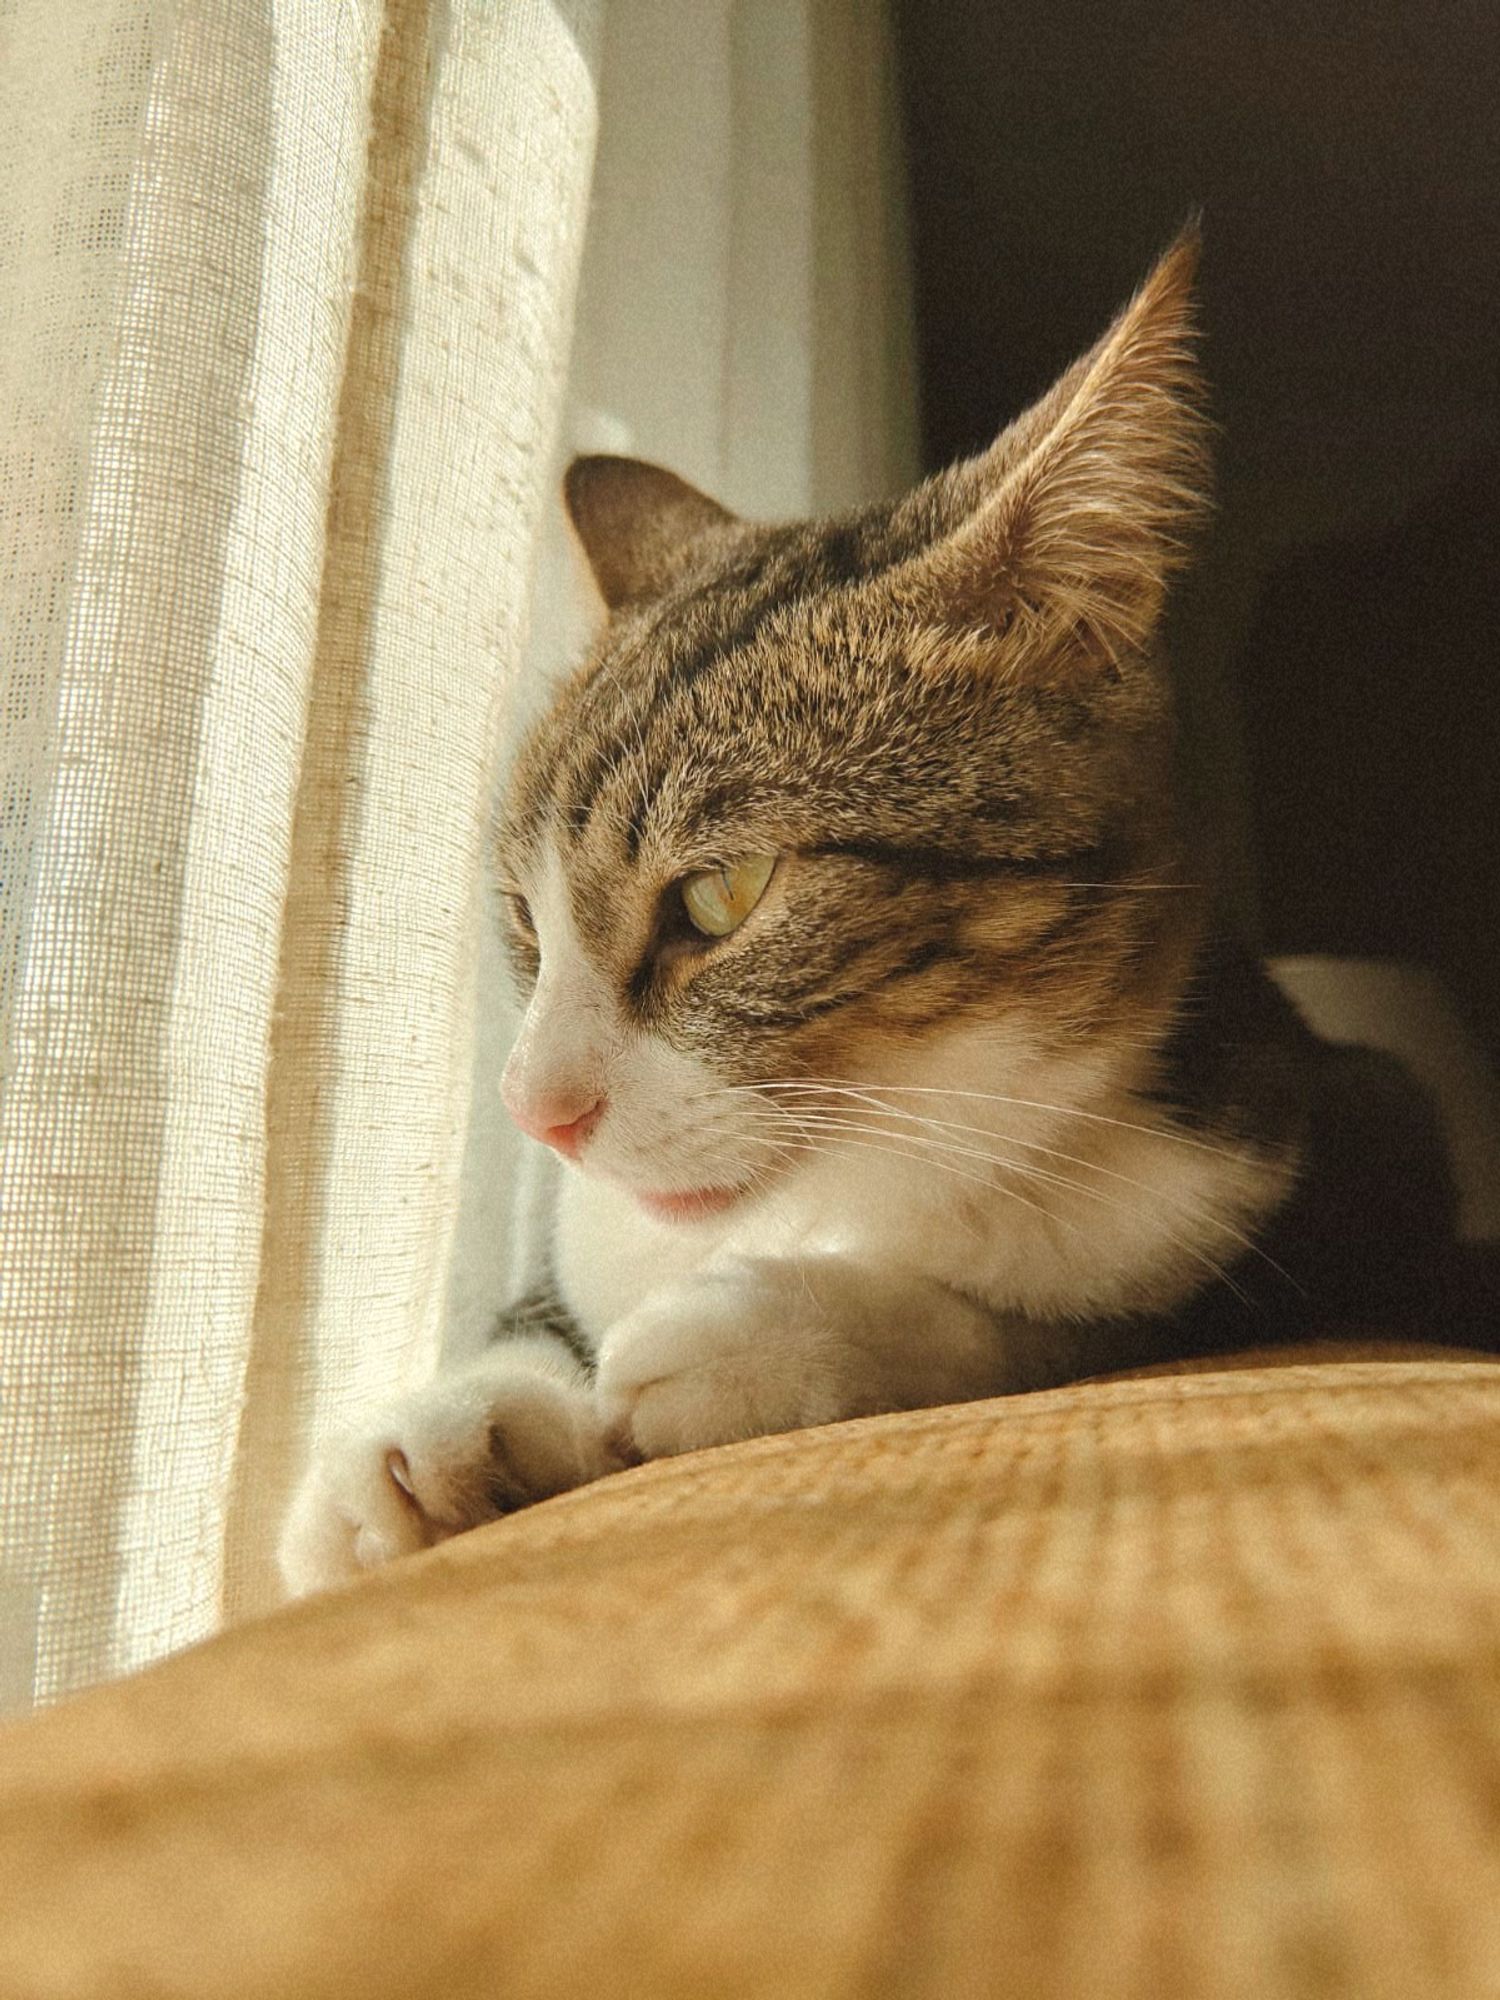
[{"x": 875, "y": 999}]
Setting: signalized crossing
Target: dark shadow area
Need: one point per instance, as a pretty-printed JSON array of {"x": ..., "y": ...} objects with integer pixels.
[
  {"x": 1335, "y": 643},
  {"x": 1371, "y": 695}
]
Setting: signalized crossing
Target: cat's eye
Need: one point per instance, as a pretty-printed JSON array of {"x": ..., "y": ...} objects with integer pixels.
[{"x": 718, "y": 900}]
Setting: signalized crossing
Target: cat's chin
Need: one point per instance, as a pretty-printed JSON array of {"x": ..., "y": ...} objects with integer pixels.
[{"x": 692, "y": 1205}]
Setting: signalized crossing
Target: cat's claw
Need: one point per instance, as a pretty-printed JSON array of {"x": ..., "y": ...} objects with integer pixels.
[{"x": 350, "y": 1514}]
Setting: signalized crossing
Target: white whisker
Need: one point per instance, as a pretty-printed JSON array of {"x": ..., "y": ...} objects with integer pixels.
[
  {"x": 1168, "y": 1133},
  {"x": 1043, "y": 1177},
  {"x": 1195, "y": 1211},
  {"x": 917, "y": 1159}
]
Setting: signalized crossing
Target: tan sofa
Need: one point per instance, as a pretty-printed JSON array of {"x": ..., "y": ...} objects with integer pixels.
[{"x": 1181, "y": 1685}]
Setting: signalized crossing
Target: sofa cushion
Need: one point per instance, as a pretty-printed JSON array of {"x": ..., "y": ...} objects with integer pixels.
[{"x": 1186, "y": 1685}]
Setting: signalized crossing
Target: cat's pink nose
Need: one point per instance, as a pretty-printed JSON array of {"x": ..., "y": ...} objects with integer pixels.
[
  {"x": 568, "y": 1138},
  {"x": 556, "y": 1124}
]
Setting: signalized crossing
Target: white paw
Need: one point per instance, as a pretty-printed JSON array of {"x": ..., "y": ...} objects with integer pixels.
[
  {"x": 517, "y": 1426},
  {"x": 738, "y": 1352}
]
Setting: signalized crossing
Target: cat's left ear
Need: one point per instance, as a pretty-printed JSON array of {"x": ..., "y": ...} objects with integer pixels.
[
  {"x": 1061, "y": 564},
  {"x": 639, "y": 524}
]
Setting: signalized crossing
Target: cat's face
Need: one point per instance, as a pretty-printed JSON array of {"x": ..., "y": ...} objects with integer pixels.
[{"x": 828, "y": 801}]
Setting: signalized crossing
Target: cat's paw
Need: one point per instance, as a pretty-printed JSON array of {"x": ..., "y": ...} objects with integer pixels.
[
  {"x": 515, "y": 1427},
  {"x": 738, "y": 1352}
]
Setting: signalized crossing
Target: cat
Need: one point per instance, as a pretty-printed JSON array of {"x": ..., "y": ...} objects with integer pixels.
[{"x": 873, "y": 996}]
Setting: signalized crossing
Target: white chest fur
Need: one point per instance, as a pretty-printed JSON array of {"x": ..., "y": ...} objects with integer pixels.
[{"x": 1050, "y": 1201}]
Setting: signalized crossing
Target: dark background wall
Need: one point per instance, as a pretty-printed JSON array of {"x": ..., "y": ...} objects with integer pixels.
[{"x": 1338, "y": 644}]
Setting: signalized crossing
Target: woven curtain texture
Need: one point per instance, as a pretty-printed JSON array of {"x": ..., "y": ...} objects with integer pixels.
[
  {"x": 744, "y": 317},
  {"x": 284, "y": 295}
]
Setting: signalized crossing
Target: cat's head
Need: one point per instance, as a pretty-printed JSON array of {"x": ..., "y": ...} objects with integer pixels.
[{"x": 828, "y": 801}]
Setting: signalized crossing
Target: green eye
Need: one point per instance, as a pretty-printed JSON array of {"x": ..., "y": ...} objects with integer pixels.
[{"x": 718, "y": 900}]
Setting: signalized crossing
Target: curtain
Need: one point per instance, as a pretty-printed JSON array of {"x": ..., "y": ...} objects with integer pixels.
[
  {"x": 286, "y": 311},
  {"x": 285, "y": 293}
]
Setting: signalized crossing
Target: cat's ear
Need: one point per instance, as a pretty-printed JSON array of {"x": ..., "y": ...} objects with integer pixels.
[
  {"x": 638, "y": 523},
  {"x": 1080, "y": 508}
]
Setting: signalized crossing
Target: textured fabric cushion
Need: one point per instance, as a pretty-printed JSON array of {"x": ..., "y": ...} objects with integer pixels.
[{"x": 1182, "y": 1685}]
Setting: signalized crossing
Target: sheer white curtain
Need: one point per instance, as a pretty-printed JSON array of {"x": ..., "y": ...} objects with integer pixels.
[
  {"x": 286, "y": 293},
  {"x": 285, "y": 288}
]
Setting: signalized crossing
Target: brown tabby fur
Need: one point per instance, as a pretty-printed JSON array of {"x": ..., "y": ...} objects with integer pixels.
[{"x": 949, "y": 717}]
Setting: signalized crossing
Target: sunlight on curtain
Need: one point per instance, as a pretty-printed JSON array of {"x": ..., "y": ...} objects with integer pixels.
[{"x": 285, "y": 290}]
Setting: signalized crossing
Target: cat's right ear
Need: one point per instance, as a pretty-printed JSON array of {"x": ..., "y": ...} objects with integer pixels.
[
  {"x": 638, "y": 523},
  {"x": 1082, "y": 509}
]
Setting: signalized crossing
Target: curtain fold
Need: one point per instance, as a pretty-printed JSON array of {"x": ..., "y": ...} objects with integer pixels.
[{"x": 284, "y": 302}]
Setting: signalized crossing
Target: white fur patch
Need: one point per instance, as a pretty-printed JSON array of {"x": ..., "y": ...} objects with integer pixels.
[
  {"x": 1040, "y": 1187},
  {"x": 426, "y": 1468}
]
